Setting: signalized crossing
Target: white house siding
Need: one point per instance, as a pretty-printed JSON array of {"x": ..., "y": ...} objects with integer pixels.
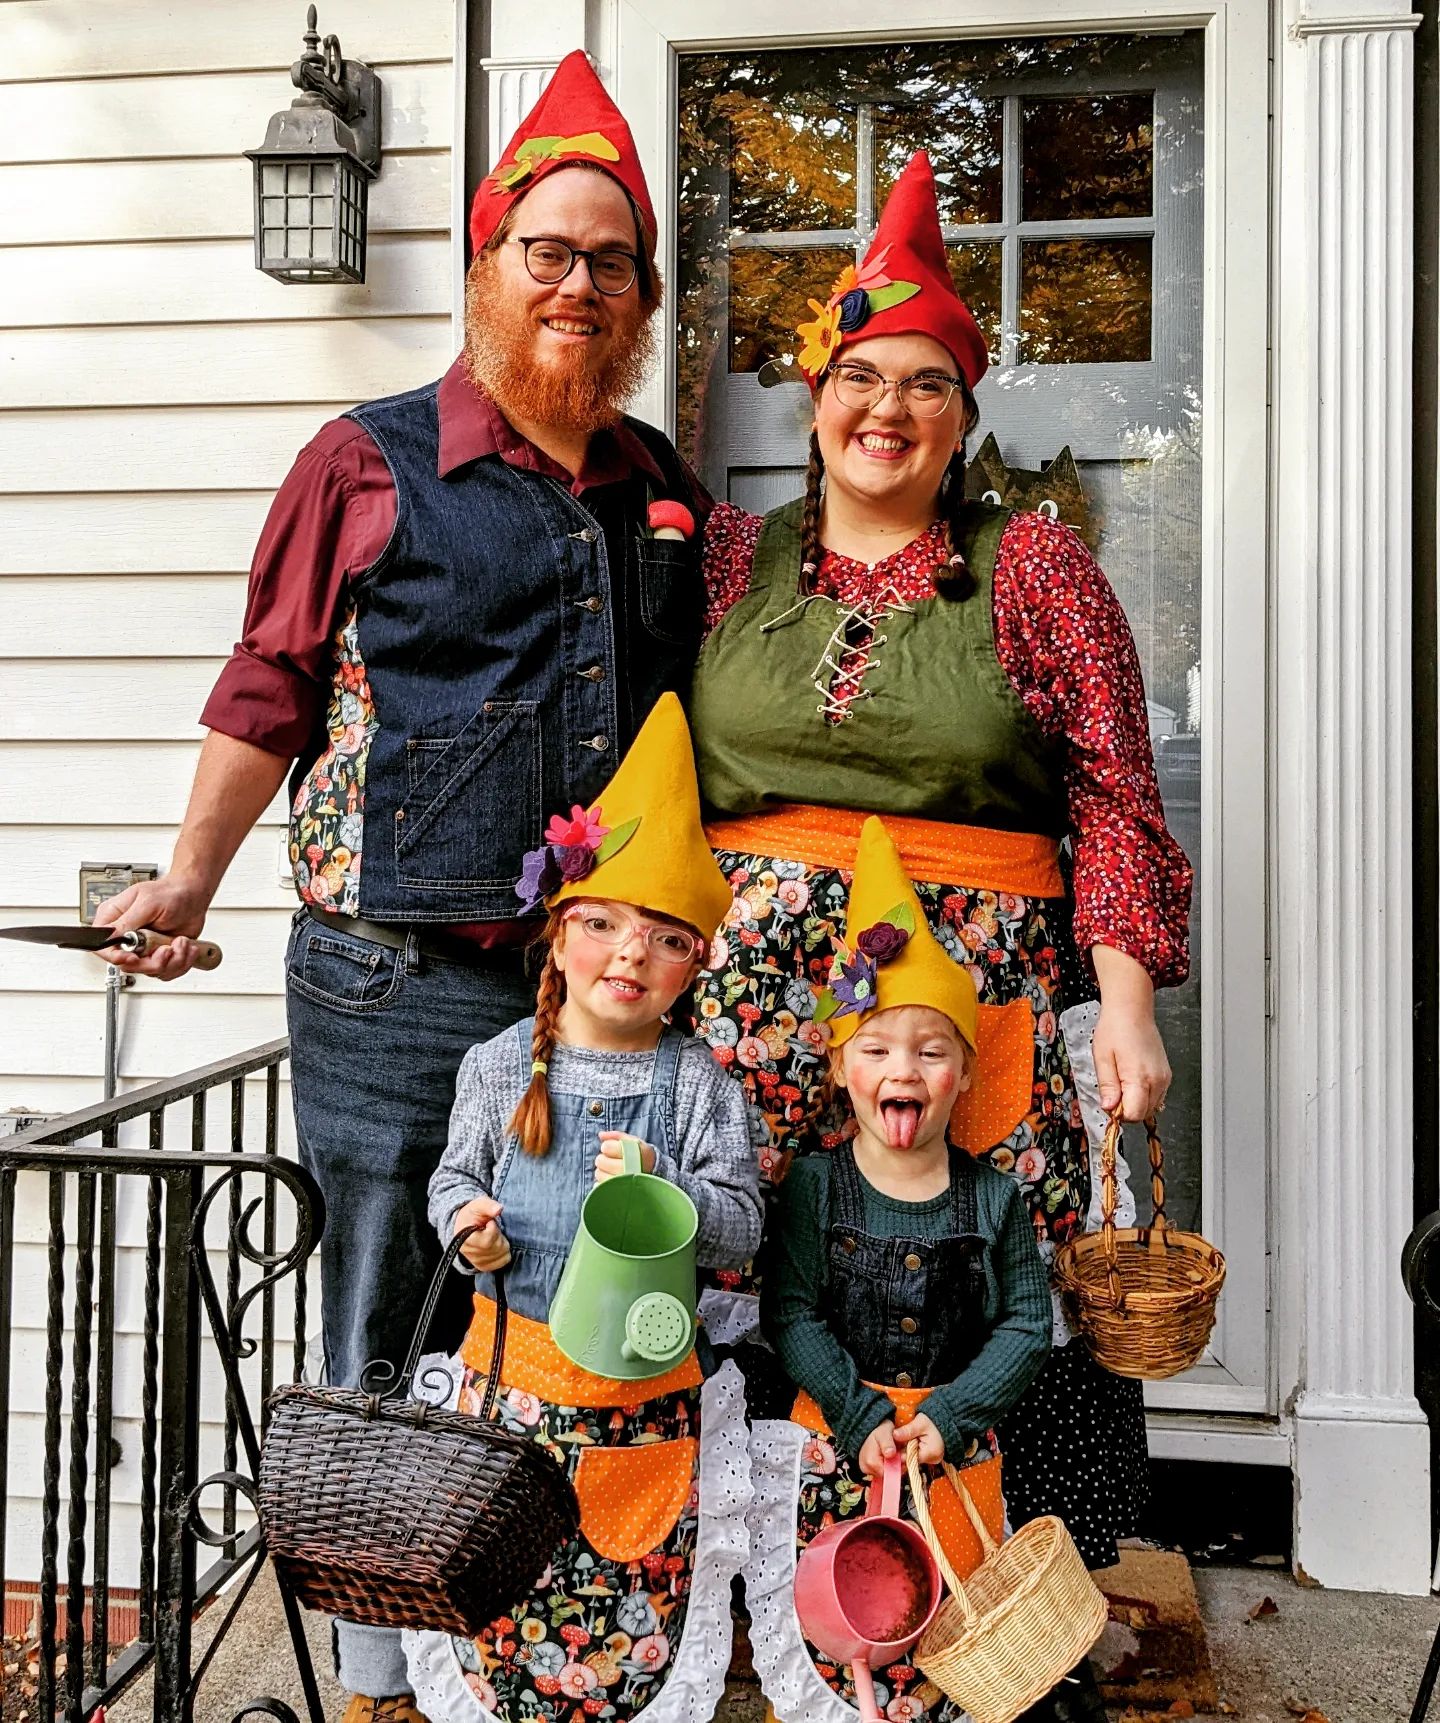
[{"x": 154, "y": 388}]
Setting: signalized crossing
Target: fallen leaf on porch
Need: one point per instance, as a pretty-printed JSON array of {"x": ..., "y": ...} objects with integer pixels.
[
  {"x": 1228, "y": 1710},
  {"x": 1266, "y": 1606},
  {"x": 1181, "y": 1708}
]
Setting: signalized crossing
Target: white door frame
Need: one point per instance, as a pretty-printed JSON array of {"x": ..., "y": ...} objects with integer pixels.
[{"x": 1237, "y": 1375}]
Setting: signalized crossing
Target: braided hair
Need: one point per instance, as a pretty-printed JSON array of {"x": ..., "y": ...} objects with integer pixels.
[
  {"x": 530, "y": 1122},
  {"x": 954, "y": 580}
]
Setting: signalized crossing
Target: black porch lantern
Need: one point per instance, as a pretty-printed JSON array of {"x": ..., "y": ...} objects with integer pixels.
[{"x": 313, "y": 172}]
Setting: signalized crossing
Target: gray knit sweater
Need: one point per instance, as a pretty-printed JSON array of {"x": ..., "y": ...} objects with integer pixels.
[{"x": 715, "y": 1167}]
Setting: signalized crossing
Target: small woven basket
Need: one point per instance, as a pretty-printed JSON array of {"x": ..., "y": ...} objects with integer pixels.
[
  {"x": 391, "y": 1511},
  {"x": 1142, "y": 1297},
  {"x": 1022, "y": 1620}
]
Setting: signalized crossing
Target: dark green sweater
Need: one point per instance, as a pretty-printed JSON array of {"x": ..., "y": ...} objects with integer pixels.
[{"x": 795, "y": 1295}]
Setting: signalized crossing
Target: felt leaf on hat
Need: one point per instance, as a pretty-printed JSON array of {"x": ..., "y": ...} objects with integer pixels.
[
  {"x": 825, "y": 1007},
  {"x": 896, "y": 293},
  {"x": 616, "y": 840},
  {"x": 533, "y": 151}
]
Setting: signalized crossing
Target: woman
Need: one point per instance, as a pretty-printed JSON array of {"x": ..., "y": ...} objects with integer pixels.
[{"x": 883, "y": 646}]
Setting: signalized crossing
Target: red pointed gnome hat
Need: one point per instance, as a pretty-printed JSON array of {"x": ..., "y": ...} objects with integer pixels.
[
  {"x": 574, "y": 122},
  {"x": 902, "y": 288}
]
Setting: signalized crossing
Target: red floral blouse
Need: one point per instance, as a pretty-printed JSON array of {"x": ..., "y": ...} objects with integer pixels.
[{"x": 1062, "y": 639}]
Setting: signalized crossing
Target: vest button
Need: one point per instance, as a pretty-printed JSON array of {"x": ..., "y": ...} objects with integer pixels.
[
  {"x": 593, "y": 604},
  {"x": 848, "y": 1246},
  {"x": 903, "y": 1380},
  {"x": 598, "y": 743},
  {"x": 908, "y": 1324},
  {"x": 912, "y": 1261},
  {"x": 587, "y": 535},
  {"x": 596, "y": 1109},
  {"x": 596, "y": 673}
]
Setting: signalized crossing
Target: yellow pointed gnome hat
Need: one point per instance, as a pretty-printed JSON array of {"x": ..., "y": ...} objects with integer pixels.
[
  {"x": 641, "y": 841},
  {"x": 890, "y": 956}
]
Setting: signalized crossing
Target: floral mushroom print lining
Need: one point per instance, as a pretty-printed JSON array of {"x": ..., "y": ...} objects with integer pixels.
[{"x": 327, "y": 818}]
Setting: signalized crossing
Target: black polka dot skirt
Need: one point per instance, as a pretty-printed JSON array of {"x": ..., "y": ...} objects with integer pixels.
[{"x": 1075, "y": 1446}]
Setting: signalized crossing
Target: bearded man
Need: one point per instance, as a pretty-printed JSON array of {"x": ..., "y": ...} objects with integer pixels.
[{"x": 457, "y": 621}]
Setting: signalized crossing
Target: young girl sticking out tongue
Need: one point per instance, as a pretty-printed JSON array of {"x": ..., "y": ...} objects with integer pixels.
[
  {"x": 632, "y": 1617},
  {"x": 903, "y": 1292}
]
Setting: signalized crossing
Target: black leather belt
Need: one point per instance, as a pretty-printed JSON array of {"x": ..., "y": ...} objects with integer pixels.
[{"x": 430, "y": 942}]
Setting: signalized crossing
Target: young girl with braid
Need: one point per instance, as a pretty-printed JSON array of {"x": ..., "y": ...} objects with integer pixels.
[{"x": 633, "y": 1615}]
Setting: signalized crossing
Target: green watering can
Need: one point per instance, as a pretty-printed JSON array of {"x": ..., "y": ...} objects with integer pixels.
[{"x": 625, "y": 1306}]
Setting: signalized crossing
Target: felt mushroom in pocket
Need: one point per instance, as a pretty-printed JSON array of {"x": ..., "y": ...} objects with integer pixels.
[{"x": 670, "y": 520}]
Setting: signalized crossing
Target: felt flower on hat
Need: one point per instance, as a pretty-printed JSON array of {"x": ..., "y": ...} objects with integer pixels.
[
  {"x": 533, "y": 151},
  {"x": 854, "y": 981},
  {"x": 818, "y": 339},
  {"x": 572, "y": 850}
]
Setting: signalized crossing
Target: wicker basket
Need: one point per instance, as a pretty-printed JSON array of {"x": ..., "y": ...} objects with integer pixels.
[
  {"x": 390, "y": 1511},
  {"x": 1143, "y": 1297},
  {"x": 1022, "y": 1620}
]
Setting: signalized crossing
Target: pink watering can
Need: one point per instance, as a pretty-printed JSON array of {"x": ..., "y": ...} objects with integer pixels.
[{"x": 866, "y": 1590}]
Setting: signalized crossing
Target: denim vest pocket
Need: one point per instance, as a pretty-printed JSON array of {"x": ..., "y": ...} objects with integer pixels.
[
  {"x": 467, "y": 793},
  {"x": 672, "y": 594},
  {"x": 350, "y": 975}
]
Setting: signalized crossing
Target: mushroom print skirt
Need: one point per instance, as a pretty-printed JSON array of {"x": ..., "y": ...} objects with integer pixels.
[
  {"x": 632, "y": 1616},
  {"x": 1075, "y": 1445}
]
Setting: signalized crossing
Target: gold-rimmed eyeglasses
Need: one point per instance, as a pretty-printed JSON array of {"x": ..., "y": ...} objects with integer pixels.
[{"x": 925, "y": 394}]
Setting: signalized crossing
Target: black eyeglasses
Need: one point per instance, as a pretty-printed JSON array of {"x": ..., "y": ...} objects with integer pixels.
[{"x": 551, "y": 260}]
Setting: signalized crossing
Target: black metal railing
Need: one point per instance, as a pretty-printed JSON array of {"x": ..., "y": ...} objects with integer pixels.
[{"x": 197, "y": 1202}]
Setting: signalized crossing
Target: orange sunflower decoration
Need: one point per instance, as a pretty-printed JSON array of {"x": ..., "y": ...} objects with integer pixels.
[{"x": 857, "y": 293}]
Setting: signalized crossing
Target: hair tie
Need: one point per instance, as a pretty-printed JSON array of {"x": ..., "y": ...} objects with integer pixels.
[
  {"x": 538, "y": 1068},
  {"x": 957, "y": 561},
  {"x": 807, "y": 568}
]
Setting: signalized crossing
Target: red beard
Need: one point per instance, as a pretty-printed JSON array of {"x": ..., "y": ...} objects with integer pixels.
[{"x": 500, "y": 358}]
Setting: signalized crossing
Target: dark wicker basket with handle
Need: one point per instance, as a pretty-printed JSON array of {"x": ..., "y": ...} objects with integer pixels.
[{"x": 391, "y": 1511}]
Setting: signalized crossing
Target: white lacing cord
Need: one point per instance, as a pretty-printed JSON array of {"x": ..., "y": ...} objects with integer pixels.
[{"x": 835, "y": 703}]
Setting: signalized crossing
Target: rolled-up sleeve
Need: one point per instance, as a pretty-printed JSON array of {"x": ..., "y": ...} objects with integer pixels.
[{"x": 329, "y": 521}]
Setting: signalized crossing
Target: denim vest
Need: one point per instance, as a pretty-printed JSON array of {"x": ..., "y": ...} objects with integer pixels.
[
  {"x": 511, "y": 662},
  {"x": 542, "y": 1194},
  {"x": 909, "y": 1311}
]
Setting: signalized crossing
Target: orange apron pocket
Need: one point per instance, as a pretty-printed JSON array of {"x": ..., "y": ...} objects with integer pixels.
[
  {"x": 1003, "y": 1085},
  {"x": 952, "y": 1524},
  {"x": 630, "y": 1498}
]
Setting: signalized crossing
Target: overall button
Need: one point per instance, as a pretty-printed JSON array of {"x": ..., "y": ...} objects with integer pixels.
[
  {"x": 908, "y": 1324},
  {"x": 598, "y": 743},
  {"x": 593, "y": 604},
  {"x": 912, "y": 1261},
  {"x": 596, "y": 673},
  {"x": 586, "y": 535},
  {"x": 903, "y": 1380},
  {"x": 848, "y": 1245},
  {"x": 596, "y": 1109}
]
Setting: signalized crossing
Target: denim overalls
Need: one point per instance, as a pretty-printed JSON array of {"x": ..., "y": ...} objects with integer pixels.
[
  {"x": 542, "y": 1194},
  {"x": 909, "y": 1311}
]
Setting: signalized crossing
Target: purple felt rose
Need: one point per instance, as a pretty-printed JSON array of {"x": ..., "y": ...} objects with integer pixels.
[
  {"x": 882, "y": 942},
  {"x": 854, "y": 310},
  {"x": 576, "y": 861},
  {"x": 539, "y": 876}
]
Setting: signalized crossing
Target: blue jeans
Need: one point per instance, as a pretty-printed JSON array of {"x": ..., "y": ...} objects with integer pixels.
[{"x": 376, "y": 1037}]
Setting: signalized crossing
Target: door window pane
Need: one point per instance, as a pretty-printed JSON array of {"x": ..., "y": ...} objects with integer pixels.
[
  {"x": 790, "y": 168},
  {"x": 1085, "y": 301},
  {"x": 965, "y": 140},
  {"x": 768, "y": 294},
  {"x": 1086, "y": 158},
  {"x": 975, "y": 270}
]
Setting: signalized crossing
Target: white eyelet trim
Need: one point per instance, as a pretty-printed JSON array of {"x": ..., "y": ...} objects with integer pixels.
[{"x": 697, "y": 1677}]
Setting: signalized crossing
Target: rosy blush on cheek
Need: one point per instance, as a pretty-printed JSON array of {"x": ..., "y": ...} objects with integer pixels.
[{"x": 943, "y": 1083}]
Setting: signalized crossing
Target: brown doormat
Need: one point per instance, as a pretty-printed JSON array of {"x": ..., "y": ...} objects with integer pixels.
[{"x": 1153, "y": 1655}]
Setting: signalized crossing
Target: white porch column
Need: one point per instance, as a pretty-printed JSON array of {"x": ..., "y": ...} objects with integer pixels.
[{"x": 1342, "y": 997}]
